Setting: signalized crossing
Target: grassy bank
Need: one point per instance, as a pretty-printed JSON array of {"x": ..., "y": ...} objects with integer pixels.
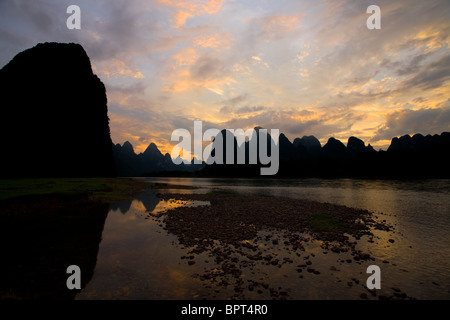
[
  {"x": 47, "y": 225},
  {"x": 102, "y": 190}
]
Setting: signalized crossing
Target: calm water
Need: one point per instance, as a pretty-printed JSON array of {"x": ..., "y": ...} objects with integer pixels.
[{"x": 139, "y": 259}]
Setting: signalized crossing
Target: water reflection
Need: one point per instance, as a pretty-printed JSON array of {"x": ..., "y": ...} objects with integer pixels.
[
  {"x": 41, "y": 239},
  {"x": 148, "y": 203},
  {"x": 137, "y": 259}
]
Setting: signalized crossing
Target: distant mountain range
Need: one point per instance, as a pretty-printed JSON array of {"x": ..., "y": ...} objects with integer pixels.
[
  {"x": 407, "y": 157},
  {"x": 150, "y": 162}
]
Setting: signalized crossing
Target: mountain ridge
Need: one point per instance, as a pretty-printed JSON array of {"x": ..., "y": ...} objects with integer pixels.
[{"x": 423, "y": 156}]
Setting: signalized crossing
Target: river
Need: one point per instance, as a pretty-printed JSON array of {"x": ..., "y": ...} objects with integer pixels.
[{"x": 417, "y": 260}]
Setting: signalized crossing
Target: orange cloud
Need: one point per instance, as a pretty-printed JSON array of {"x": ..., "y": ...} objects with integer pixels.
[
  {"x": 186, "y": 57},
  {"x": 190, "y": 9},
  {"x": 217, "y": 41},
  {"x": 183, "y": 80},
  {"x": 181, "y": 17},
  {"x": 183, "y": 74},
  {"x": 117, "y": 68}
]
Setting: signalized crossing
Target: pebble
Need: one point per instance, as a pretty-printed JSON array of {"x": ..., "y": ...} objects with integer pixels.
[{"x": 189, "y": 237}]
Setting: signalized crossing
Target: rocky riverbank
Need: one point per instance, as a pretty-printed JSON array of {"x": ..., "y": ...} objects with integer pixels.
[{"x": 250, "y": 237}]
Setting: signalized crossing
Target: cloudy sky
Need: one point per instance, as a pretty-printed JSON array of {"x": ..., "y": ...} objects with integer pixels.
[{"x": 304, "y": 67}]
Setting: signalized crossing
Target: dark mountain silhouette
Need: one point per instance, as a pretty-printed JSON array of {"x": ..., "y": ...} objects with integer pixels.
[
  {"x": 150, "y": 162},
  {"x": 54, "y": 115},
  {"x": 407, "y": 157},
  {"x": 334, "y": 149},
  {"x": 424, "y": 156},
  {"x": 287, "y": 149},
  {"x": 252, "y": 165},
  {"x": 356, "y": 146},
  {"x": 220, "y": 167},
  {"x": 307, "y": 146}
]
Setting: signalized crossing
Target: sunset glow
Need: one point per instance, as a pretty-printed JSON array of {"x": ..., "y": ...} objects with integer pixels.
[{"x": 304, "y": 67}]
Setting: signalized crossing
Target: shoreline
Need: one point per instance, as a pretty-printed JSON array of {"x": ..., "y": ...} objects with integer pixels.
[{"x": 241, "y": 233}]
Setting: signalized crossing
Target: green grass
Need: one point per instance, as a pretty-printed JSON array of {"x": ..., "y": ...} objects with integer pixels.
[
  {"x": 325, "y": 223},
  {"x": 99, "y": 189}
]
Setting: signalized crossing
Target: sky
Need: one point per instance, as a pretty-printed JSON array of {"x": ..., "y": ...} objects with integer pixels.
[{"x": 303, "y": 67}]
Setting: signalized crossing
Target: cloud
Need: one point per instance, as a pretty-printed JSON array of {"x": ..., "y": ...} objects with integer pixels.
[
  {"x": 117, "y": 68},
  {"x": 312, "y": 67},
  {"x": 40, "y": 15},
  {"x": 434, "y": 75},
  {"x": 185, "y": 57},
  {"x": 297, "y": 123},
  {"x": 226, "y": 110},
  {"x": 192, "y": 72},
  {"x": 250, "y": 109},
  {"x": 412, "y": 66},
  {"x": 207, "y": 68},
  {"x": 119, "y": 31},
  {"x": 272, "y": 27},
  {"x": 424, "y": 121},
  {"x": 235, "y": 100},
  {"x": 132, "y": 89},
  {"x": 243, "y": 110},
  {"x": 217, "y": 41},
  {"x": 190, "y": 9}
]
